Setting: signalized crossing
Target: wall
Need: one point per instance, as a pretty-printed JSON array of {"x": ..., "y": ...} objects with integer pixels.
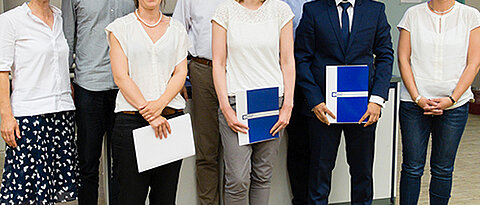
[
  {"x": 474, "y": 3},
  {"x": 395, "y": 10}
]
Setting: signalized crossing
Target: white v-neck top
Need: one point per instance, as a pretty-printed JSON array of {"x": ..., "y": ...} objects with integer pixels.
[
  {"x": 150, "y": 65},
  {"x": 253, "y": 43},
  {"x": 37, "y": 57},
  {"x": 439, "y": 47}
]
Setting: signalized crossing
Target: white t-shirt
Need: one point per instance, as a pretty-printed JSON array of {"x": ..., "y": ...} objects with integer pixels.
[
  {"x": 253, "y": 44},
  {"x": 439, "y": 47},
  {"x": 37, "y": 57},
  {"x": 150, "y": 65}
]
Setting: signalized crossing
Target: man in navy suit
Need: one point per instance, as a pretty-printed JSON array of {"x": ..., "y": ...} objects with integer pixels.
[{"x": 336, "y": 32}]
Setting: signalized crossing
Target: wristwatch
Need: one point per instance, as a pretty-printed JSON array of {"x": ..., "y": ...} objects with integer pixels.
[{"x": 453, "y": 100}]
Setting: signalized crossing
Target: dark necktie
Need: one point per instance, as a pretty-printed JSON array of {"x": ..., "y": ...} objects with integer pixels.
[{"x": 345, "y": 22}]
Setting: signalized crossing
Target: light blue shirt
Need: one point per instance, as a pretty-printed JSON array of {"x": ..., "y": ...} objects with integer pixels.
[
  {"x": 297, "y": 8},
  {"x": 84, "y": 23}
]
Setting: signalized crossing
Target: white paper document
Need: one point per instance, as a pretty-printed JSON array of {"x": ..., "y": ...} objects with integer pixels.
[{"x": 153, "y": 152}]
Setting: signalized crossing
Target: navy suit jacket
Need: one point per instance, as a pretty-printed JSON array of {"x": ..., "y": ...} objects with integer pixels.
[{"x": 318, "y": 43}]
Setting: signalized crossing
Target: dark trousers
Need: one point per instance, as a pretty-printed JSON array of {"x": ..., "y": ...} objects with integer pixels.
[
  {"x": 446, "y": 132},
  {"x": 298, "y": 154},
  {"x": 133, "y": 186},
  {"x": 324, "y": 142},
  {"x": 94, "y": 118}
]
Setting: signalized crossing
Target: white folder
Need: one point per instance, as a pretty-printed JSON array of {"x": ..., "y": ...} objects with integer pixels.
[{"x": 153, "y": 152}]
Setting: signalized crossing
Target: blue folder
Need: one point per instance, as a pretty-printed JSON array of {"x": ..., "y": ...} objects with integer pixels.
[
  {"x": 347, "y": 92},
  {"x": 258, "y": 109}
]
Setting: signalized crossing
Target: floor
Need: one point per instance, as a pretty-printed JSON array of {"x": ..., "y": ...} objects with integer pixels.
[{"x": 466, "y": 186}]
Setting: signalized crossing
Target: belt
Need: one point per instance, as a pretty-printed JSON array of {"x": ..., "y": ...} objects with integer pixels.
[
  {"x": 166, "y": 111},
  {"x": 203, "y": 61}
]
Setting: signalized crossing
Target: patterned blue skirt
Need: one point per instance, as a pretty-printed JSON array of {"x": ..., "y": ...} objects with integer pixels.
[{"x": 42, "y": 169}]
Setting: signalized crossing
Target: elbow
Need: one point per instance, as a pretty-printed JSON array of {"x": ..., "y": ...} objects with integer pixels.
[
  {"x": 218, "y": 65},
  {"x": 120, "y": 80},
  {"x": 288, "y": 64}
]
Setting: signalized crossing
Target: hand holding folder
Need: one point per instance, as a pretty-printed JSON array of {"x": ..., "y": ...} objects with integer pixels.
[
  {"x": 346, "y": 93},
  {"x": 321, "y": 111},
  {"x": 152, "y": 152},
  {"x": 258, "y": 109},
  {"x": 233, "y": 122},
  {"x": 283, "y": 120}
]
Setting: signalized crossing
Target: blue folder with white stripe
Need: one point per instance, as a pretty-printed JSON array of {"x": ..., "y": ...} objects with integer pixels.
[
  {"x": 347, "y": 92},
  {"x": 258, "y": 109}
]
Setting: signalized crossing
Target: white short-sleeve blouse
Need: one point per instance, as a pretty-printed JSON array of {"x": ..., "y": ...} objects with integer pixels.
[
  {"x": 253, "y": 43},
  {"x": 439, "y": 47},
  {"x": 37, "y": 57},
  {"x": 150, "y": 65}
]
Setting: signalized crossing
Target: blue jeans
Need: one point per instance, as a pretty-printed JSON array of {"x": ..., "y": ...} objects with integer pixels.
[{"x": 446, "y": 131}]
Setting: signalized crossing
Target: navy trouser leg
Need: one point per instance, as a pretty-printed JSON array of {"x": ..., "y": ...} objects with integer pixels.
[
  {"x": 324, "y": 142},
  {"x": 94, "y": 118},
  {"x": 298, "y": 156},
  {"x": 360, "y": 148}
]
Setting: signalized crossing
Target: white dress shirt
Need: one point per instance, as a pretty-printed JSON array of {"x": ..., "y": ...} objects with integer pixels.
[
  {"x": 373, "y": 98},
  {"x": 196, "y": 16},
  {"x": 150, "y": 65},
  {"x": 439, "y": 49},
  {"x": 349, "y": 11},
  {"x": 37, "y": 57},
  {"x": 253, "y": 44}
]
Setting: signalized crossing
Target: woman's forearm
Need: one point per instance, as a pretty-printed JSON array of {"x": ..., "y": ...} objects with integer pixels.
[
  {"x": 473, "y": 63},
  {"x": 288, "y": 72},
  {"x": 220, "y": 83},
  {"x": 465, "y": 81},
  {"x": 127, "y": 86},
  {"x": 219, "y": 55},
  {"x": 408, "y": 79},
  {"x": 404, "y": 53},
  {"x": 287, "y": 63},
  {"x": 130, "y": 91},
  {"x": 5, "y": 106},
  {"x": 175, "y": 84}
]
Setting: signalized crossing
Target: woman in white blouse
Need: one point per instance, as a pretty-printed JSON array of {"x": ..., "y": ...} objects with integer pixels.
[
  {"x": 37, "y": 119},
  {"x": 252, "y": 48},
  {"x": 439, "y": 57},
  {"x": 148, "y": 54}
]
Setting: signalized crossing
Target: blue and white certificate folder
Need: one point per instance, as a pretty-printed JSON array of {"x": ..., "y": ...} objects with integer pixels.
[
  {"x": 258, "y": 110},
  {"x": 347, "y": 92}
]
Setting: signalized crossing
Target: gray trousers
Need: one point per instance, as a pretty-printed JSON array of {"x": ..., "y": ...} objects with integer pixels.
[{"x": 248, "y": 168}]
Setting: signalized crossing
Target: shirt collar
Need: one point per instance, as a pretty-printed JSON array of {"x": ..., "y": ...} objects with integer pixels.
[
  {"x": 337, "y": 2},
  {"x": 56, "y": 11}
]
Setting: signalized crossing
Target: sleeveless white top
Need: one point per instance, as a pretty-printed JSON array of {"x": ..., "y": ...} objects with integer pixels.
[{"x": 150, "y": 65}]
